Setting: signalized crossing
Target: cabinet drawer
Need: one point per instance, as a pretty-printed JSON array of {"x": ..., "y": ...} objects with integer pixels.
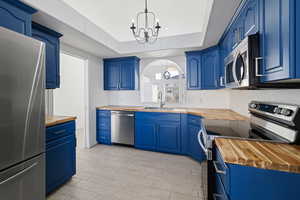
[
  {"x": 222, "y": 170},
  {"x": 103, "y": 136},
  {"x": 157, "y": 116},
  {"x": 61, "y": 130},
  {"x": 103, "y": 123},
  {"x": 103, "y": 113},
  {"x": 194, "y": 120},
  {"x": 219, "y": 191}
]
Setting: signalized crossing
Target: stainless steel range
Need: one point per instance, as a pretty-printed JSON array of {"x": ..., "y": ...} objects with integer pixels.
[{"x": 274, "y": 122}]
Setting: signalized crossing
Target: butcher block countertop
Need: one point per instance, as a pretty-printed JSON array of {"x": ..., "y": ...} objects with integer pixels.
[
  {"x": 265, "y": 155},
  {"x": 55, "y": 120},
  {"x": 214, "y": 114}
]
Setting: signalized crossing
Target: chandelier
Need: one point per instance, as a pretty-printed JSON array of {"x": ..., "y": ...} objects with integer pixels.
[{"x": 147, "y": 26}]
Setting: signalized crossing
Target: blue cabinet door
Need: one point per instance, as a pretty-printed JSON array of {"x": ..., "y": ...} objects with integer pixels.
[
  {"x": 121, "y": 73},
  {"x": 250, "y": 18},
  {"x": 112, "y": 75},
  {"x": 145, "y": 134},
  {"x": 51, "y": 39},
  {"x": 168, "y": 137},
  {"x": 195, "y": 150},
  {"x": 60, "y": 162},
  {"x": 193, "y": 72},
  {"x": 127, "y": 76},
  {"x": 103, "y": 126},
  {"x": 210, "y": 68},
  {"x": 16, "y": 16},
  {"x": 276, "y": 39}
]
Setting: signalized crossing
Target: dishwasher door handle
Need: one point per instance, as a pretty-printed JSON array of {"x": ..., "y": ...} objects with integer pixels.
[{"x": 124, "y": 115}]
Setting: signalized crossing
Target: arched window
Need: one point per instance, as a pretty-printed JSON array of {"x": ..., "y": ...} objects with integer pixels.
[{"x": 162, "y": 76}]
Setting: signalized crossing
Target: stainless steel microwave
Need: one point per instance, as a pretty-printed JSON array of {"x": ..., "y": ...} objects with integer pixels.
[{"x": 242, "y": 64}]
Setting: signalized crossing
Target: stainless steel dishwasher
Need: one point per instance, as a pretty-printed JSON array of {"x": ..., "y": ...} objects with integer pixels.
[{"x": 122, "y": 127}]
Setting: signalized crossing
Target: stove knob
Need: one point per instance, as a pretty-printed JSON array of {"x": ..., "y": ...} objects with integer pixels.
[
  {"x": 286, "y": 112},
  {"x": 277, "y": 110}
]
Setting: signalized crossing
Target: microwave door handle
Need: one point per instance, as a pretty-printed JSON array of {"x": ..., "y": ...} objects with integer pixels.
[{"x": 257, "y": 59}]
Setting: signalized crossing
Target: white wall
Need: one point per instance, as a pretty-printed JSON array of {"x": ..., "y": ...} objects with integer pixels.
[
  {"x": 204, "y": 98},
  {"x": 94, "y": 93},
  {"x": 69, "y": 98},
  {"x": 239, "y": 99}
]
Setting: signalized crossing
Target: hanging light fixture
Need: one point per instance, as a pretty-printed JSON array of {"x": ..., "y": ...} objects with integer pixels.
[{"x": 146, "y": 33}]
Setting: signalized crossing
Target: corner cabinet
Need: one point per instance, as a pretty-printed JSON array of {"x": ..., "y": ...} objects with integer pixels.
[
  {"x": 204, "y": 69},
  {"x": 121, "y": 73},
  {"x": 51, "y": 39},
  {"x": 16, "y": 16}
]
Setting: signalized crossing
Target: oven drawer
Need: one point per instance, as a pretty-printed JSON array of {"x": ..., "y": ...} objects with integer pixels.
[
  {"x": 222, "y": 170},
  {"x": 219, "y": 190}
]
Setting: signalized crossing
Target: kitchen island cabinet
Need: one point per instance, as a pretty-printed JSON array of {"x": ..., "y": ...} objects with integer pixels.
[{"x": 255, "y": 170}]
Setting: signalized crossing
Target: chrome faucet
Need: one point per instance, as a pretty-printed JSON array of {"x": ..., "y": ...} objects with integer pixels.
[{"x": 160, "y": 97}]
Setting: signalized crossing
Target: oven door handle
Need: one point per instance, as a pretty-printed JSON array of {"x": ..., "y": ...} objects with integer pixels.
[{"x": 200, "y": 134}]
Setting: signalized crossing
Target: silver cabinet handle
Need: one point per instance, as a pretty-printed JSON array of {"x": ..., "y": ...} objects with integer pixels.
[
  {"x": 216, "y": 196},
  {"x": 257, "y": 66},
  {"x": 124, "y": 115},
  {"x": 218, "y": 170},
  {"x": 18, "y": 174},
  {"x": 222, "y": 81},
  {"x": 60, "y": 132}
]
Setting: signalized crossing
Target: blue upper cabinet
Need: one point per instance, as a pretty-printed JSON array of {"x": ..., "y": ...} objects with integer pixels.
[
  {"x": 121, "y": 73},
  {"x": 16, "y": 16},
  {"x": 250, "y": 18},
  {"x": 203, "y": 69},
  {"x": 210, "y": 69},
  {"x": 193, "y": 64},
  {"x": 278, "y": 36},
  {"x": 51, "y": 39}
]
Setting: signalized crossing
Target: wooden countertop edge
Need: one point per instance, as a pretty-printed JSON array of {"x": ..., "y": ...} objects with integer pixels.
[
  {"x": 60, "y": 120},
  {"x": 226, "y": 114},
  {"x": 267, "y": 164}
]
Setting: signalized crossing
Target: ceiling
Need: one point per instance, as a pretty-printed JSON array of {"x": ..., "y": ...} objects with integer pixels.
[
  {"x": 195, "y": 26},
  {"x": 177, "y": 17}
]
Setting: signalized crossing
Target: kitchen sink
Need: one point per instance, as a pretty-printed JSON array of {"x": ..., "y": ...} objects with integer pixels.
[{"x": 158, "y": 108}]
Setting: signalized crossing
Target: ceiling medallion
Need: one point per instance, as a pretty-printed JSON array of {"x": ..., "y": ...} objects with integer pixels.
[{"x": 142, "y": 31}]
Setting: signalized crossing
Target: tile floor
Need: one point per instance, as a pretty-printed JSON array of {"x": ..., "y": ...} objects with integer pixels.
[{"x": 122, "y": 173}]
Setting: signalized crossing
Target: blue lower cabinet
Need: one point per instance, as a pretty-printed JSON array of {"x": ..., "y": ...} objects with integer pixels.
[
  {"x": 194, "y": 148},
  {"x": 103, "y": 127},
  {"x": 236, "y": 182},
  {"x": 60, "y": 157},
  {"x": 158, "y": 132},
  {"x": 168, "y": 137},
  {"x": 145, "y": 135}
]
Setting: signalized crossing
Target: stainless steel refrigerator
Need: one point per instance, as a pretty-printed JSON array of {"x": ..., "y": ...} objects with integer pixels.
[{"x": 22, "y": 117}]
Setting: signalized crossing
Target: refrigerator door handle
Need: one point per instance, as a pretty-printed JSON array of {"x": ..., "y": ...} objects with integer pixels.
[{"x": 19, "y": 173}]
